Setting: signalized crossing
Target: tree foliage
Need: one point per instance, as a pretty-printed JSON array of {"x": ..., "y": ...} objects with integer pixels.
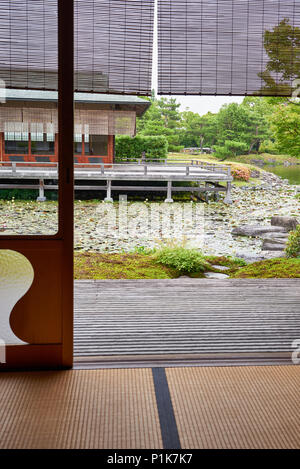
[
  {"x": 154, "y": 147},
  {"x": 286, "y": 127},
  {"x": 257, "y": 124},
  {"x": 282, "y": 45}
]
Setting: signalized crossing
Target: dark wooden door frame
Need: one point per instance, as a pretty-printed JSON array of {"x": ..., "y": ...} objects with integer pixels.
[
  {"x": 66, "y": 166},
  {"x": 43, "y": 353}
]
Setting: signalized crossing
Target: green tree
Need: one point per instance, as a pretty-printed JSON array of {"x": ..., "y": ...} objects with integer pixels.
[
  {"x": 245, "y": 123},
  {"x": 282, "y": 44},
  {"x": 162, "y": 118},
  {"x": 286, "y": 127}
]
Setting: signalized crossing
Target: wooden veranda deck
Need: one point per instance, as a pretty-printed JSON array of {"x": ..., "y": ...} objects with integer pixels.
[
  {"x": 209, "y": 177},
  {"x": 186, "y": 320}
]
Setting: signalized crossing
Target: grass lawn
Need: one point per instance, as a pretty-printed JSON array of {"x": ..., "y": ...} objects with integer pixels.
[
  {"x": 265, "y": 158},
  {"x": 212, "y": 159},
  {"x": 89, "y": 265},
  {"x": 273, "y": 268}
]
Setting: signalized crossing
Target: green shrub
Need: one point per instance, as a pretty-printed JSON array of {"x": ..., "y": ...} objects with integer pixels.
[
  {"x": 230, "y": 149},
  {"x": 182, "y": 259},
  {"x": 131, "y": 148},
  {"x": 293, "y": 244},
  {"x": 25, "y": 194},
  {"x": 175, "y": 148}
]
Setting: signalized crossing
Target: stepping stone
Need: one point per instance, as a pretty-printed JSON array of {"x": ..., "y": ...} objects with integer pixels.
[
  {"x": 215, "y": 275},
  {"x": 255, "y": 230},
  {"x": 221, "y": 267},
  {"x": 273, "y": 246}
]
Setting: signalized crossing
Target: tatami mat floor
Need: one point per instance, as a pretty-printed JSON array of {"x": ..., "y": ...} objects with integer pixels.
[{"x": 193, "y": 407}]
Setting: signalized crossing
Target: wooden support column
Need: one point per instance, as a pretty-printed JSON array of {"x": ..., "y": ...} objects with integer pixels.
[
  {"x": 228, "y": 199},
  {"x": 41, "y": 197},
  {"x": 1, "y": 147},
  {"x": 66, "y": 166},
  {"x": 169, "y": 193},
  {"x": 108, "y": 197}
]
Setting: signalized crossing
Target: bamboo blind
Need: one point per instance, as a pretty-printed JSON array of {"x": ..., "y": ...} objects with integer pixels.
[
  {"x": 220, "y": 47},
  {"x": 93, "y": 122},
  {"x": 113, "y": 45}
]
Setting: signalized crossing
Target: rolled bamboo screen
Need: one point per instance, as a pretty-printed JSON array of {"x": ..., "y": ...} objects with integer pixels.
[
  {"x": 228, "y": 47},
  {"x": 93, "y": 122},
  {"x": 113, "y": 45}
]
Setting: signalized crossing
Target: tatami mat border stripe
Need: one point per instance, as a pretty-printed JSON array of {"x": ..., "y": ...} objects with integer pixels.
[{"x": 167, "y": 419}]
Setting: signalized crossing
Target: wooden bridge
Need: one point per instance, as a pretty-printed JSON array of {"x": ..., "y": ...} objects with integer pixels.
[
  {"x": 186, "y": 321},
  {"x": 209, "y": 177}
]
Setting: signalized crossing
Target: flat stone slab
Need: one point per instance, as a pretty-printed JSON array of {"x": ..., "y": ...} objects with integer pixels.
[
  {"x": 221, "y": 267},
  {"x": 215, "y": 275},
  {"x": 283, "y": 237},
  {"x": 276, "y": 241},
  {"x": 262, "y": 256},
  {"x": 272, "y": 246},
  {"x": 272, "y": 254},
  {"x": 256, "y": 230},
  {"x": 289, "y": 223}
]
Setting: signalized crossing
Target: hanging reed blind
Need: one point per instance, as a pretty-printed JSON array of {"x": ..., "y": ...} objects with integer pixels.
[
  {"x": 228, "y": 47},
  {"x": 113, "y": 45},
  {"x": 103, "y": 122}
]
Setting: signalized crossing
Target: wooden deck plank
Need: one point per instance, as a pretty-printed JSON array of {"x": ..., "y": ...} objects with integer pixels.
[{"x": 185, "y": 316}]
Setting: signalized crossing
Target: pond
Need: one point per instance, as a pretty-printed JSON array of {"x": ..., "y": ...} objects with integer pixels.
[{"x": 292, "y": 173}]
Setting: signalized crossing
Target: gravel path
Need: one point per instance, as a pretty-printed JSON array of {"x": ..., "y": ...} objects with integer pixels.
[{"x": 102, "y": 227}]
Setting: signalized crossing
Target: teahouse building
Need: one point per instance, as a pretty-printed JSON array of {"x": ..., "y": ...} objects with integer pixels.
[{"x": 29, "y": 125}]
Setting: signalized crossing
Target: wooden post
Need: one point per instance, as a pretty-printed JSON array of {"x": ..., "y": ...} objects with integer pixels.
[
  {"x": 66, "y": 167},
  {"x": 108, "y": 197},
  {"x": 29, "y": 148},
  {"x": 1, "y": 146},
  {"x": 169, "y": 193},
  {"x": 41, "y": 197},
  {"x": 228, "y": 199}
]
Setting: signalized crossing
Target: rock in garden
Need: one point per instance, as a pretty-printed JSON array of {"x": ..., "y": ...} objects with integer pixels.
[
  {"x": 272, "y": 254},
  {"x": 221, "y": 267},
  {"x": 215, "y": 275},
  {"x": 255, "y": 173},
  {"x": 274, "y": 246},
  {"x": 250, "y": 257},
  {"x": 289, "y": 223},
  {"x": 256, "y": 230},
  {"x": 283, "y": 237}
]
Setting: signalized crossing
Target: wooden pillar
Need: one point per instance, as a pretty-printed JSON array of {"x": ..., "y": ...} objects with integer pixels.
[
  {"x": 1, "y": 146},
  {"x": 66, "y": 166},
  {"x": 110, "y": 148},
  {"x": 169, "y": 193},
  {"x": 108, "y": 197},
  {"x": 56, "y": 147},
  {"x": 228, "y": 199},
  {"x": 82, "y": 148},
  {"x": 41, "y": 197},
  {"x": 29, "y": 147}
]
